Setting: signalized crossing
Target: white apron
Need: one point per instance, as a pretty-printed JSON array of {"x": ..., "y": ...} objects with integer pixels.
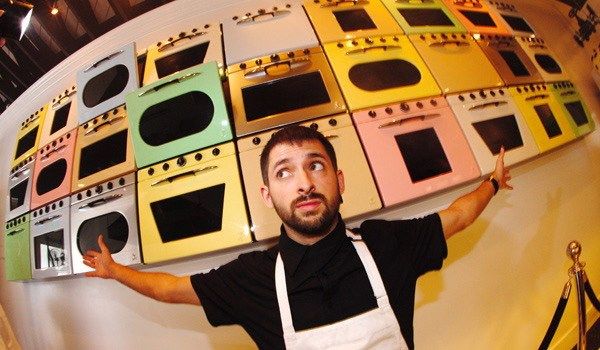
[{"x": 374, "y": 329}]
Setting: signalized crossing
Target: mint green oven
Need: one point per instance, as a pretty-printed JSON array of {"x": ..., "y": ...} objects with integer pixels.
[{"x": 16, "y": 249}]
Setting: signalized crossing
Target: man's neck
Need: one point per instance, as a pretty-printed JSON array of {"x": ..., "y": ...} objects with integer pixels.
[{"x": 303, "y": 239}]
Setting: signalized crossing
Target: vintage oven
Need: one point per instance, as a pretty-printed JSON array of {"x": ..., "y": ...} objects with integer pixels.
[
  {"x": 360, "y": 196},
  {"x": 53, "y": 169},
  {"x": 415, "y": 148},
  {"x": 17, "y": 263},
  {"x": 347, "y": 19},
  {"x": 92, "y": 163},
  {"x": 61, "y": 116},
  {"x": 104, "y": 83},
  {"x": 282, "y": 88},
  {"x": 107, "y": 209},
  {"x": 478, "y": 17},
  {"x": 456, "y": 62},
  {"x": 375, "y": 71},
  {"x": 19, "y": 189},
  {"x": 184, "y": 50},
  {"x": 178, "y": 114},
  {"x": 542, "y": 58},
  {"x": 423, "y": 16},
  {"x": 509, "y": 59},
  {"x": 573, "y": 107},
  {"x": 28, "y": 137},
  {"x": 263, "y": 27},
  {"x": 490, "y": 119},
  {"x": 517, "y": 25},
  {"x": 50, "y": 240},
  {"x": 192, "y": 204},
  {"x": 544, "y": 115}
]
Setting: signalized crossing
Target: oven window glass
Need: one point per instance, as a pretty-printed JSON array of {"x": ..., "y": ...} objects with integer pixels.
[
  {"x": 181, "y": 60},
  {"x": 95, "y": 158},
  {"x": 60, "y": 118},
  {"x": 352, "y": 20},
  {"x": 105, "y": 85},
  {"x": 284, "y": 95},
  {"x": 51, "y": 177},
  {"x": 49, "y": 250},
  {"x": 481, "y": 19},
  {"x": 425, "y": 17},
  {"x": 548, "y": 120},
  {"x": 575, "y": 110},
  {"x": 423, "y": 154},
  {"x": 176, "y": 118},
  {"x": 548, "y": 63},
  {"x": 513, "y": 61},
  {"x": 381, "y": 75},
  {"x": 517, "y": 23},
  {"x": 26, "y": 142},
  {"x": 189, "y": 214},
  {"x": 17, "y": 194},
  {"x": 498, "y": 132},
  {"x": 113, "y": 228}
]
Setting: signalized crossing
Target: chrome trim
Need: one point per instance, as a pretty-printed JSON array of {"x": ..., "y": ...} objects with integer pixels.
[
  {"x": 252, "y": 19},
  {"x": 170, "y": 179},
  {"x": 488, "y": 104},
  {"x": 171, "y": 44},
  {"x": 101, "y": 201},
  {"x": 173, "y": 81},
  {"x": 400, "y": 121},
  {"x": 107, "y": 58}
]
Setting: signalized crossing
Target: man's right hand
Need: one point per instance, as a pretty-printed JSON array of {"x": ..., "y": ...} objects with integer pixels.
[{"x": 102, "y": 262}]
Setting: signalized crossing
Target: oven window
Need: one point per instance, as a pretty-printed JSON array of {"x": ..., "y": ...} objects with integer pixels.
[
  {"x": 176, "y": 118},
  {"x": 95, "y": 158},
  {"x": 51, "y": 177},
  {"x": 425, "y": 17},
  {"x": 548, "y": 63},
  {"x": 513, "y": 61},
  {"x": 575, "y": 110},
  {"x": 381, "y": 75},
  {"x": 105, "y": 85},
  {"x": 181, "y": 60},
  {"x": 60, "y": 118},
  {"x": 17, "y": 194},
  {"x": 548, "y": 120},
  {"x": 423, "y": 154},
  {"x": 26, "y": 142},
  {"x": 517, "y": 23},
  {"x": 49, "y": 250},
  {"x": 481, "y": 19},
  {"x": 352, "y": 20},
  {"x": 112, "y": 226},
  {"x": 498, "y": 132},
  {"x": 284, "y": 95},
  {"x": 189, "y": 214}
]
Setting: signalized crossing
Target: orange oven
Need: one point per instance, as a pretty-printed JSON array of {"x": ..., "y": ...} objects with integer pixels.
[
  {"x": 478, "y": 17},
  {"x": 360, "y": 196},
  {"x": 282, "y": 88},
  {"x": 92, "y": 164},
  {"x": 192, "y": 204},
  {"x": 513, "y": 19},
  {"x": 61, "y": 116},
  {"x": 573, "y": 107},
  {"x": 456, "y": 62},
  {"x": 415, "y": 148},
  {"x": 184, "y": 50},
  {"x": 378, "y": 70},
  {"x": 423, "y": 16},
  {"x": 19, "y": 189},
  {"x": 347, "y": 19},
  {"x": 28, "y": 137},
  {"x": 542, "y": 58}
]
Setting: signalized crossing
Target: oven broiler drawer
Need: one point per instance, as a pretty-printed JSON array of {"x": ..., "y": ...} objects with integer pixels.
[
  {"x": 61, "y": 116},
  {"x": 573, "y": 107},
  {"x": 28, "y": 137},
  {"x": 18, "y": 198},
  {"x": 17, "y": 262},
  {"x": 430, "y": 16}
]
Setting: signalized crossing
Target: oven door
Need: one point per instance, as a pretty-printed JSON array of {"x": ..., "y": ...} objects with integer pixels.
[
  {"x": 478, "y": 17},
  {"x": 19, "y": 190},
  {"x": 282, "y": 89},
  {"x": 248, "y": 32},
  {"x": 379, "y": 70},
  {"x": 360, "y": 196},
  {"x": 544, "y": 115},
  {"x": 50, "y": 240},
  {"x": 178, "y": 114},
  {"x": 28, "y": 137},
  {"x": 415, "y": 149},
  {"x": 61, "y": 116},
  {"x": 453, "y": 58},
  {"x": 92, "y": 164},
  {"x": 109, "y": 209},
  {"x": 347, "y": 19},
  {"x": 573, "y": 107},
  {"x": 490, "y": 119},
  {"x": 182, "y": 51},
  {"x": 542, "y": 58},
  {"x": 513, "y": 20},
  {"x": 195, "y": 207},
  {"x": 104, "y": 83},
  {"x": 425, "y": 16},
  {"x": 52, "y": 174},
  {"x": 17, "y": 263}
]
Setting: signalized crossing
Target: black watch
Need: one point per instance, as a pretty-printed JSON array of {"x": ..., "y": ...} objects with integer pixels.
[{"x": 494, "y": 183}]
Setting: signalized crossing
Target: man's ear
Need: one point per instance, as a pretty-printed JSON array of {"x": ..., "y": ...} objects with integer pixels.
[
  {"x": 341, "y": 183},
  {"x": 266, "y": 196}
]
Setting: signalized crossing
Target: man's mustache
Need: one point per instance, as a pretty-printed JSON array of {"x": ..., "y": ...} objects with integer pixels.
[{"x": 306, "y": 197}]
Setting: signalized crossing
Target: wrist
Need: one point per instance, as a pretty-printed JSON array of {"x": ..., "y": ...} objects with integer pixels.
[{"x": 494, "y": 183}]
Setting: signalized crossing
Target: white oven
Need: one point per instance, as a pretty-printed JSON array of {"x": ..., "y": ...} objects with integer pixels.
[
  {"x": 513, "y": 19},
  {"x": 19, "y": 189},
  {"x": 543, "y": 59}
]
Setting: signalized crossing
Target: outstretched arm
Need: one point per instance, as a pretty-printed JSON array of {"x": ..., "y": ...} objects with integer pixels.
[
  {"x": 463, "y": 211},
  {"x": 160, "y": 286}
]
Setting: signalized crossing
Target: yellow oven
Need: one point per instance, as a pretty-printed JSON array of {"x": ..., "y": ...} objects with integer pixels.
[
  {"x": 192, "y": 204},
  {"x": 61, "y": 116},
  {"x": 28, "y": 137}
]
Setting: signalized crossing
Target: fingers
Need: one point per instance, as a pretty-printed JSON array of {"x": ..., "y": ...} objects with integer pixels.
[{"x": 102, "y": 245}]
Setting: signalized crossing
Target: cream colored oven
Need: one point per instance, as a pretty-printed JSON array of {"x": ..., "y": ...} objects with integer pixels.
[
  {"x": 478, "y": 17},
  {"x": 423, "y": 16},
  {"x": 573, "y": 107},
  {"x": 28, "y": 137},
  {"x": 542, "y": 58},
  {"x": 360, "y": 196},
  {"x": 61, "y": 116},
  {"x": 513, "y": 19},
  {"x": 19, "y": 189}
]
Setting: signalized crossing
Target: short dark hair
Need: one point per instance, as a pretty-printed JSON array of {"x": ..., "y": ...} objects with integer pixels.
[{"x": 293, "y": 135}]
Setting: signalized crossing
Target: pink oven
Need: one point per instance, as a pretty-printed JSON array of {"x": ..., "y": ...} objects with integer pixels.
[
  {"x": 513, "y": 19},
  {"x": 19, "y": 189},
  {"x": 542, "y": 58},
  {"x": 415, "y": 148},
  {"x": 61, "y": 116},
  {"x": 52, "y": 173},
  {"x": 478, "y": 17}
]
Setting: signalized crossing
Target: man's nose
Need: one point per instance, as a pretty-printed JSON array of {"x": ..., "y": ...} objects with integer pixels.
[{"x": 305, "y": 183}]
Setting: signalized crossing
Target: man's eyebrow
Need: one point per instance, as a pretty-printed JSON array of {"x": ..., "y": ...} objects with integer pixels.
[
  {"x": 309, "y": 155},
  {"x": 279, "y": 162}
]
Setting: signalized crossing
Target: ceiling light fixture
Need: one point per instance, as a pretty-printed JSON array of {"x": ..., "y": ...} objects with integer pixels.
[
  {"x": 14, "y": 18},
  {"x": 54, "y": 9}
]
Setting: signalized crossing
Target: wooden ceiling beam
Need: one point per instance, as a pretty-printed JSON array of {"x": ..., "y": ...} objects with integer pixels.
[
  {"x": 122, "y": 9},
  {"x": 56, "y": 29},
  {"x": 25, "y": 59},
  {"x": 85, "y": 15}
]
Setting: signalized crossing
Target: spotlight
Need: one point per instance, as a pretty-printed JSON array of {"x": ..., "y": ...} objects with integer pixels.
[
  {"x": 54, "y": 9},
  {"x": 14, "y": 18}
]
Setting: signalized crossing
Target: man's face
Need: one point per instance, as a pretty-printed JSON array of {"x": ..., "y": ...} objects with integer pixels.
[{"x": 304, "y": 188}]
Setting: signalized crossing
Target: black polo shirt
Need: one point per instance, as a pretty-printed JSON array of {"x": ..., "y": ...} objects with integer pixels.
[{"x": 326, "y": 281}]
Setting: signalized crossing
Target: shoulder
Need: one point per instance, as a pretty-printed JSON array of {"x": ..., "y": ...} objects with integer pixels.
[{"x": 370, "y": 229}]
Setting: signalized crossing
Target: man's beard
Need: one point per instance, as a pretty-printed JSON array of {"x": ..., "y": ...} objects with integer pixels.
[{"x": 316, "y": 226}]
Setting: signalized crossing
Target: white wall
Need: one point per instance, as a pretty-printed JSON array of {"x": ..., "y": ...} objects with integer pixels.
[{"x": 497, "y": 290}]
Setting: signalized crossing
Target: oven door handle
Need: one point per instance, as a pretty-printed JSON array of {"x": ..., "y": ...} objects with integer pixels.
[
  {"x": 377, "y": 47},
  {"x": 43, "y": 221},
  {"x": 107, "y": 58},
  {"x": 346, "y": 2},
  {"x": 467, "y": 4},
  {"x": 537, "y": 97},
  {"x": 167, "y": 83},
  {"x": 400, "y": 121},
  {"x": 443, "y": 43},
  {"x": 331, "y": 136},
  {"x": 19, "y": 173},
  {"x": 171, "y": 44},
  {"x": 101, "y": 201},
  {"x": 487, "y": 104},
  {"x": 170, "y": 179},
  {"x": 538, "y": 46},
  {"x": 293, "y": 64},
  {"x": 568, "y": 93},
  {"x": 101, "y": 125},
  {"x": 12, "y": 233},
  {"x": 252, "y": 19},
  {"x": 414, "y": 2},
  {"x": 57, "y": 103},
  {"x": 58, "y": 149}
]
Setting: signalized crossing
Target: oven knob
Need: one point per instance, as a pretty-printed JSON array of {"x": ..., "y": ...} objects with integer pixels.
[
  {"x": 261, "y": 11},
  {"x": 47, "y": 209},
  {"x": 121, "y": 181},
  {"x": 242, "y": 66},
  {"x": 314, "y": 126},
  {"x": 54, "y": 143},
  {"x": 291, "y": 54},
  {"x": 433, "y": 102},
  {"x": 181, "y": 161},
  {"x": 150, "y": 171},
  {"x": 198, "y": 156},
  {"x": 256, "y": 140},
  {"x": 369, "y": 40},
  {"x": 472, "y": 96},
  {"x": 216, "y": 152},
  {"x": 88, "y": 193},
  {"x": 109, "y": 185},
  {"x": 274, "y": 57},
  {"x": 389, "y": 110},
  {"x": 404, "y": 106},
  {"x": 79, "y": 196},
  {"x": 332, "y": 122},
  {"x": 98, "y": 189},
  {"x": 419, "y": 104},
  {"x": 482, "y": 94},
  {"x": 60, "y": 204},
  {"x": 165, "y": 166},
  {"x": 305, "y": 51},
  {"x": 501, "y": 92},
  {"x": 258, "y": 62},
  {"x": 105, "y": 116},
  {"x": 372, "y": 114},
  {"x": 53, "y": 206}
]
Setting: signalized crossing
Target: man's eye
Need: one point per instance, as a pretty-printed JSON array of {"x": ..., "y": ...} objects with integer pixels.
[
  {"x": 316, "y": 166},
  {"x": 282, "y": 173}
]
